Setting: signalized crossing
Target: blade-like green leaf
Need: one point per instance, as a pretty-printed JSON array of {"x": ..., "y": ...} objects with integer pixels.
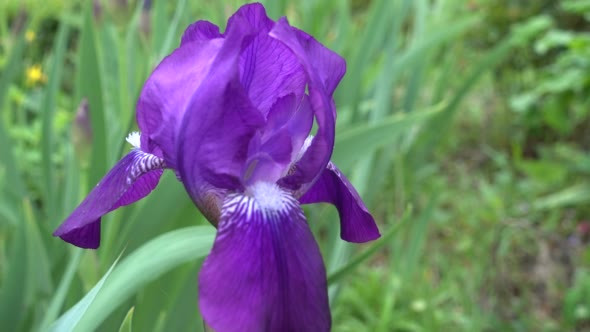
[
  {"x": 47, "y": 113},
  {"x": 141, "y": 267},
  {"x": 60, "y": 294},
  {"x": 70, "y": 319},
  {"x": 12, "y": 184},
  {"x": 90, "y": 87},
  {"x": 360, "y": 141},
  {"x": 380, "y": 17},
  {"x": 127, "y": 325},
  {"x": 171, "y": 33},
  {"x": 12, "y": 293},
  {"x": 367, "y": 253},
  {"x": 576, "y": 194}
]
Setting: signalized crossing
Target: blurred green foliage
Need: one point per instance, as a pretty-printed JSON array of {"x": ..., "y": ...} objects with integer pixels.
[{"x": 464, "y": 125}]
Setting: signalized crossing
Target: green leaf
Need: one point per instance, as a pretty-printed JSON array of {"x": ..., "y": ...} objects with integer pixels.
[
  {"x": 12, "y": 293},
  {"x": 10, "y": 176},
  {"x": 12, "y": 66},
  {"x": 38, "y": 270},
  {"x": 360, "y": 141},
  {"x": 370, "y": 251},
  {"x": 60, "y": 295},
  {"x": 183, "y": 314},
  {"x": 47, "y": 112},
  {"x": 159, "y": 25},
  {"x": 90, "y": 87},
  {"x": 146, "y": 264},
  {"x": 574, "y": 195},
  {"x": 70, "y": 319},
  {"x": 127, "y": 325},
  {"x": 166, "y": 46},
  {"x": 379, "y": 19}
]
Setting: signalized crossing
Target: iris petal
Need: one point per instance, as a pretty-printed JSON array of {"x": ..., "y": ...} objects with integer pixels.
[
  {"x": 215, "y": 133},
  {"x": 329, "y": 66},
  {"x": 250, "y": 17},
  {"x": 200, "y": 31},
  {"x": 164, "y": 98},
  {"x": 265, "y": 271},
  {"x": 274, "y": 147},
  {"x": 132, "y": 178},
  {"x": 267, "y": 160},
  {"x": 357, "y": 224},
  {"x": 292, "y": 116},
  {"x": 321, "y": 83},
  {"x": 269, "y": 70}
]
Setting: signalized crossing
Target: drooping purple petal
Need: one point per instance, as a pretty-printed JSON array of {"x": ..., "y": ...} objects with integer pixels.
[
  {"x": 269, "y": 70},
  {"x": 132, "y": 178},
  {"x": 200, "y": 31},
  {"x": 357, "y": 224},
  {"x": 142, "y": 186},
  {"x": 265, "y": 271},
  {"x": 165, "y": 95},
  {"x": 321, "y": 82}
]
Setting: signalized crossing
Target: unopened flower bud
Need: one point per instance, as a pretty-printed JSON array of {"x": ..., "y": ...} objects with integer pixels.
[{"x": 82, "y": 133}]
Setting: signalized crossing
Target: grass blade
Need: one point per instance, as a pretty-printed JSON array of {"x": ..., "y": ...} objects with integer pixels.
[
  {"x": 360, "y": 141},
  {"x": 60, "y": 295},
  {"x": 370, "y": 251},
  {"x": 70, "y": 319},
  {"x": 7, "y": 162},
  {"x": 47, "y": 114},
  {"x": 143, "y": 266},
  {"x": 90, "y": 87}
]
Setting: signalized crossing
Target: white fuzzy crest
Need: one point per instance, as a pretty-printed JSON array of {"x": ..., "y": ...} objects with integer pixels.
[
  {"x": 268, "y": 195},
  {"x": 134, "y": 139}
]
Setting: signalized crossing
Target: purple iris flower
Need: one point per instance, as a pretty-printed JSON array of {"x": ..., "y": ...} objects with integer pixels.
[{"x": 232, "y": 114}]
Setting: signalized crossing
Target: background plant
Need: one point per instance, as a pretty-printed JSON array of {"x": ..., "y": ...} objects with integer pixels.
[{"x": 464, "y": 125}]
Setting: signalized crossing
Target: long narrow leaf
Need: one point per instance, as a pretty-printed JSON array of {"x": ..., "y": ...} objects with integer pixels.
[
  {"x": 360, "y": 141},
  {"x": 370, "y": 251},
  {"x": 8, "y": 166},
  {"x": 47, "y": 113},
  {"x": 90, "y": 87},
  {"x": 143, "y": 266},
  {"x": 70, "y": 319}
]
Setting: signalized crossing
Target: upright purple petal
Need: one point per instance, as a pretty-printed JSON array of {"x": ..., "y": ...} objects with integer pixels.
[
  {"x": 132, "y": 178},
  {"x": 267, "y": 160},
  {"x": 269, "y": 70},
  {"x": 216, "y": 130},
  {"x": 357, "y": 224},
  {"x": 167, "y": 92},
  {"x": 215, "y": 144},
  {"x": 276, "y": 145},
  {"x": 250, "y": 17},
  {"x": 265, "y": 271},
  {"x": 200, "y": 31},
  {"x": 329, "y": 66},
  {"x": 293, "y": 116},
  {"x": 321, "y": 83}
]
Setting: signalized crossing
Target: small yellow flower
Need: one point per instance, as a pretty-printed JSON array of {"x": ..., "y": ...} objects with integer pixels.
[
  {"x": 34, "y": 75},
  {"x": 30, "y": 36}
]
